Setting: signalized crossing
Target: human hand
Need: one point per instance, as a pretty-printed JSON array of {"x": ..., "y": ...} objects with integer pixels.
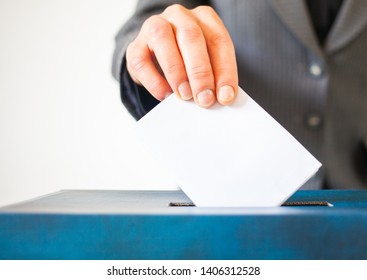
[{"x": 188, "y": 52}]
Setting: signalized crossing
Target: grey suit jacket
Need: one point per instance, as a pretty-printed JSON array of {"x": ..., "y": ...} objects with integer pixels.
[{"x": 319, "y": 94}]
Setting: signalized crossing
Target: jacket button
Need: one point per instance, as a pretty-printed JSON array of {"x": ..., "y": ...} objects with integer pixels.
[
  {"x": 313, "y": 120},
  {"x": 315, "y": 70}
]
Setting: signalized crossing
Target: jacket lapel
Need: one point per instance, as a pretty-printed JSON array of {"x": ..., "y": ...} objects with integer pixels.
[
  {"x": 294, "y": 14},
  {"x": 350, "y": 21}
]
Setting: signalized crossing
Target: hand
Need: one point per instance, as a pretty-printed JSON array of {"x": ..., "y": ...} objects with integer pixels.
[{"x": 188, "y": 52}]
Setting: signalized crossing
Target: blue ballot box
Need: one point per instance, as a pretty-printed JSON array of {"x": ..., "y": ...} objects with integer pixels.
[{"x": 144, "y": 225}]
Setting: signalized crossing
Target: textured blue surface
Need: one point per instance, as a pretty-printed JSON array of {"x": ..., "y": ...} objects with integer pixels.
[{"x": 278, "y": 233}]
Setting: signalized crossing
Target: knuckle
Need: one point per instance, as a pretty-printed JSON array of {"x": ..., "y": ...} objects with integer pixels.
[
  {"x": 175, "y": 8},
  {"x": 174, "y": 67},
  {"x": 220, "y": 38},
  {"x": 137, "y": 62},
  {"x": 223, "y": 69},
  {"x": 190, "y": 32},
  {"x": 200, "y": 72},
  {"x": 156, "y": 27},
  {"x": 205, "y": 10},
  {"x": 156, "y": 89}
]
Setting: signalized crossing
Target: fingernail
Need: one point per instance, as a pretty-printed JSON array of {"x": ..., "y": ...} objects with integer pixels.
[
  {"x": 184, "y": 90},
  {"x": 226, "y": 94},
  {"x": 205, "y": 98}
]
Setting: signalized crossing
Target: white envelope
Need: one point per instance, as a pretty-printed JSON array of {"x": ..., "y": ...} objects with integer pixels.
[{"x": 226, "y": 156}]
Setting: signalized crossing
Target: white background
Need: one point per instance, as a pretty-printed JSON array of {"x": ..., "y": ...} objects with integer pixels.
[{"x": 62, "y": 124}]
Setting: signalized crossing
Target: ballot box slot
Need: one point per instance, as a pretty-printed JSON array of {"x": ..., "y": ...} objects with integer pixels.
[
  {"x": 288, "y": 203},
  {"x": 307, "y": 203},
  {"x": 181, "y": 204}
]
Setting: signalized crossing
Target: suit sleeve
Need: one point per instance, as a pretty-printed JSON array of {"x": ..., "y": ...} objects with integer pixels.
[{"x": 135, "y": 98}]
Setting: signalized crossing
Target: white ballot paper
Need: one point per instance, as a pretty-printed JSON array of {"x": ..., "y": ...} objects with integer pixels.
[{"x": 226, "y": 156}]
